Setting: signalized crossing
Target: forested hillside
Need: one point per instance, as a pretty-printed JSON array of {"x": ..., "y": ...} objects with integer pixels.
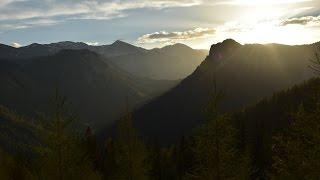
[{"x": 272, "y": 139}]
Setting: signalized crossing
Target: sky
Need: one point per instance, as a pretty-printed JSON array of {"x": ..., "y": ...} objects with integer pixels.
[{"x": 157, "y": 23}]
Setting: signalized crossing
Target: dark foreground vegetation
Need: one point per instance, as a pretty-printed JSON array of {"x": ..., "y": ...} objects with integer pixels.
[{"x": 277, "y": 138}]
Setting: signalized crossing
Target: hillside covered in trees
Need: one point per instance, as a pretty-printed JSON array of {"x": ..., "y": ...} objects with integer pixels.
[
  {"x": 277, "y": 138},
  {"x": 238, "y": 116}
]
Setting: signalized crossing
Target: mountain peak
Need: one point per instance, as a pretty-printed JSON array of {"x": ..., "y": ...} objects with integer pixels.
[
  {"x": 230, "y": 41},
  {"x": 177, "y": 46},
  {"x": 33, "y": 45},
  {"x": 223, "y": 49},
  {"x": 120, "y": 43}
]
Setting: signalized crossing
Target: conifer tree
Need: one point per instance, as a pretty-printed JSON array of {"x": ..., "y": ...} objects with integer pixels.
[
  {"x": 63, "y": 155},
  {"x": 215, "y": 147},
  {"x": 315, "y": 63},
  {"x": 131, "y": 153},
  {"x": 109, "y": 160},
  {"x": 296, "y": 152},
  {"x": 11, "y": 168}
]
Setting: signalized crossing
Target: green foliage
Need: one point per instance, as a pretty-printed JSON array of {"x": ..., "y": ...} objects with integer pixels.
[
  {"x": 11, "y": 168},
  {"x": 109, "y": 165},
  {"x": 215, "y": 149},
  {"x": 63, "y": 155},
  {"x": 216, "y": 154},
  {"x": 131, "y": 153},
  {"x": 315, "y": 63},
  {"x": 259, "y": 123},
  {"x": 297, "y": 150},
  {"x": 236, "y": 146}
]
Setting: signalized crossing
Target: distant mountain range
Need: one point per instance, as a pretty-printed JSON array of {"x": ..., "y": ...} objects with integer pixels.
[
  {"x": 99, "y": 79},
  {"x": 118, "y": 48},
  {"x": 245, "y": 74},
  {"x": 170, "y": 63}
]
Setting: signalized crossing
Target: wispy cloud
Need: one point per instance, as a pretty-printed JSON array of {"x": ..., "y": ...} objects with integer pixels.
[
  {"x": 172, "y": 37},
  {"x": 25, "y": 9},
  {"x": 36, "y": 10},
  {"x": 307, "y": 20},
  {"x": 29, "y": 24}
]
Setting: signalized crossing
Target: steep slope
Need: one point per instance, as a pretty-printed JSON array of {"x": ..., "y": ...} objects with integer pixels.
[
  {"x": 171, "y": 62},
  {"x": 96, "y": 89},
  {"x": 260, "y": 122},
  {"x": 245, "y": 73},
  {"x": 16, "y": 134}
]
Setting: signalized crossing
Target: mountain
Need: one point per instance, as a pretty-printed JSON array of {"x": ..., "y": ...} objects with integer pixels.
[
  {"x": 171, "y": 62},
  {"x": 245, "y": 74},
  {"x": 97, "y": 89},
  {"x": 118, "y": 48},
  {"x": 8, "y": 52},
  {"x": 38, "y": 50}
]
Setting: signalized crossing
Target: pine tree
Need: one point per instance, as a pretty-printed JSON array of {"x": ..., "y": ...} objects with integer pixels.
[
  {"x": 63, "y": 155},
  {"x": 109, "y": 161},
  {"x": 296, "y": 152},
  {"x": 11, "y": 168},
  {"x": 315, "y": 63},
  {"x": 131, "y": 153},
  {"x": 215, "y": 149}
]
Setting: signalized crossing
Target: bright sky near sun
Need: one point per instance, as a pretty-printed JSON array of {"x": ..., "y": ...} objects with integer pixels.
[{"x": 156, "y": 23}]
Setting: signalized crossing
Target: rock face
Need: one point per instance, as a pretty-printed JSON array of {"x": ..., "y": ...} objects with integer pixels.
[
  {"x": 245, "y": 74},
  {"x": 223, "y": 49}
]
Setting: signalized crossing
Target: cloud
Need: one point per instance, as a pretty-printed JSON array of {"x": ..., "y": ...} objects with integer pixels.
[
  {"x": 307, "y": 20},
  {"x": 256, "y": 3},
  {"x": 92, "y": 43},
  {"x": 16, "y": 12},
  {"x": 25, "y": 9},
  {"x": 16, "y": 45},
  {"x": 171, "y": 37},
  {"x": 29, "y": 24}
]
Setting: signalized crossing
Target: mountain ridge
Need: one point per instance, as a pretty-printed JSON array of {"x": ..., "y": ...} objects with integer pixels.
[{"x": 245, "y": 73}]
